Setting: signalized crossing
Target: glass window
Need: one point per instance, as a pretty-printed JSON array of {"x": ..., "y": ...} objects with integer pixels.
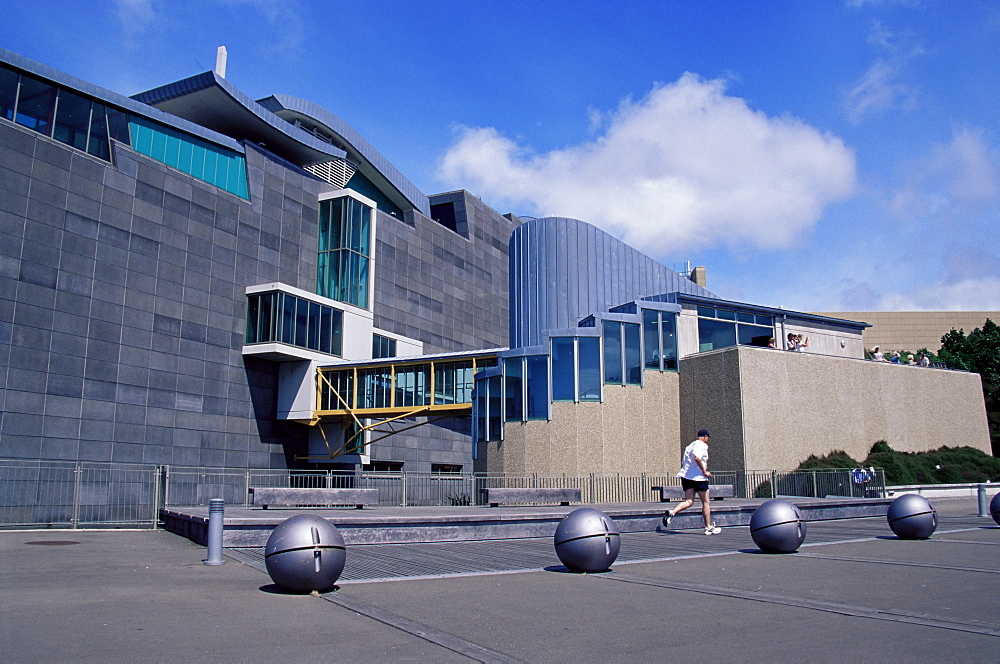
[
  {"x": 590, "y": 368},
  {"x": 651, "y": 338},
  {"x": 299, "y": 322},
  {"x": 538, "y": 387},
  {"x": 668, "y": 331},
  {"x": 383, "y": 346},
  {"x": 118, "y": 126},
  {"x": 495, "y": 405},
  {"x": 633, "y": 354},
  {"x": 35, "y": 104},
  {"x": 72, "y": 123},
  {"x": 344, "y": 242},
  {"x": 714, "y": 334},
  {"x": 513, "y": 384},
  {"x": 613, "y": 353},
  {"x": 97, "y": 144},
  {"x": 8, "y": 93},
  {"x": 754, "y": 335},
  {"x": 563, "y": 368}
]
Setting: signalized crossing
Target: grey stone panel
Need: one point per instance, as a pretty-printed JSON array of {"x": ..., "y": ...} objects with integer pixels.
[{"x": 147, "y": 263}]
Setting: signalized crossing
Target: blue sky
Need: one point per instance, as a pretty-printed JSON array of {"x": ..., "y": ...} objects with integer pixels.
[{"x": 820, "y": 156}]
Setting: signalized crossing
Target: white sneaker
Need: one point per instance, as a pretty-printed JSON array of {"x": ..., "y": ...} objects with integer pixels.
[
  {"x": 666, "y": 519},
  {"x": 713, "y": 530}
]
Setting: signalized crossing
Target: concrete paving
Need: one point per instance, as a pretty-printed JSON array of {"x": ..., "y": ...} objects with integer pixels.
[{"x": 853, "y": 592}]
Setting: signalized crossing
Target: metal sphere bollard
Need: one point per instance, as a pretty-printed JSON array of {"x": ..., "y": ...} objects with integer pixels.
[
  {"x": 995, "y": 508},
  {"x": 778, "y": 526},
  {"x": 587, "y": 540},
  {"x": 911, "y": 516},
  {"x": 305, "y": 553}
]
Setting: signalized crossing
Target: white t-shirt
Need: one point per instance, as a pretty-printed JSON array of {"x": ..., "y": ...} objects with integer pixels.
[{"x": 689, "y": 467}]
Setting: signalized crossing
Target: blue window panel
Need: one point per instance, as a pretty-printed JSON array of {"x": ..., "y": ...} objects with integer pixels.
[
  {"x": 668, "y": 333},
  {"x": 212, "y": 164},
  {"x": 538, "y": 387},
  {"x": 98, "y": 144},
  {"x": 715, "y": 334},
  {"x": 36, "y": 103},
  {"x": 514, "y": 389},
  {"x": 613, "y": 352},
  {"x": 8, "y": 93},
  {"x": 72, "y": 123},
  {"x": 651, "y": 339},
  {"x": 633, "y": 354},
  {"x": 495, "y": 406},
  {"x": 590, "y": 368},
  {"x": 563, "y": 369}
]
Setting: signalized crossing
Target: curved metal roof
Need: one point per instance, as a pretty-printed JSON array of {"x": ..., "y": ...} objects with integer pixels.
[
  {"x": 370, "y": 162},
  {"x": 212, "y": 102}
]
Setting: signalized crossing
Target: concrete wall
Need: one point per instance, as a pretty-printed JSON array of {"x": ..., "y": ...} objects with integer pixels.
[
  {"x": 774, "y": 409},
  {"x": 635, "y": 430}
]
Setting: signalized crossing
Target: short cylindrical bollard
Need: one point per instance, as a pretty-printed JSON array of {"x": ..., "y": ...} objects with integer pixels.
[
  {"x": 216, "y": 507},
  {"x": 984, "y": 509}
]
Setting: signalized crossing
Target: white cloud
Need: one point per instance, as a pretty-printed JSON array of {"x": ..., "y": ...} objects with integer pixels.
[
  {"x": 685, "y": 166},
  {"x": 951, "y": 180},
  {"x": 877, "y": 91}
]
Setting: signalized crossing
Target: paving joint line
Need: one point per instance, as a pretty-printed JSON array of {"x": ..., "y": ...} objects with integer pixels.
[
  {"x": 445, "y": 640},
  {"x": 985, "y": 629}
]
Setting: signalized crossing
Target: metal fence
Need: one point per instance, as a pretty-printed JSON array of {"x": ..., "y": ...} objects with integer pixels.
[
  {"x": 78, "y": 494},
  {"x": 84, "y": 494}
]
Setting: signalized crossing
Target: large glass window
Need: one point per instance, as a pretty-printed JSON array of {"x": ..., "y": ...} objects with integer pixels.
[
  {"x": 613, "y": 371},
  {"x": 60, "y": 114},
  {"x": 35, "y": 105},
  {"x": 659, "y": 330},
  {"x": 721, "y": 328},
  {"x": 344, "y": 250},
  {"x": 513, "y": 369},
  {"x": 590, "y": 368},
  {"x": 488, "y": 408},
  {"x": 383, "y": 346},
  {"x": 413, "y": 385},
  {"x": 563, "y": 369},
  {"x": 538, "y": 387},
  {"x": 8, "y": 93},
  {"x": 633, "y": 353},
  {"x": 280, "y": 317},
  {"x": 210, "y": 163}
]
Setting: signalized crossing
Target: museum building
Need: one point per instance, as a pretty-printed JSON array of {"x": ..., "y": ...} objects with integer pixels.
[{"x": 192, "y": 277}]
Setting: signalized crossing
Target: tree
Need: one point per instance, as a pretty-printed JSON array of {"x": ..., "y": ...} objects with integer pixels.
[{"x": 979, "y": 352}]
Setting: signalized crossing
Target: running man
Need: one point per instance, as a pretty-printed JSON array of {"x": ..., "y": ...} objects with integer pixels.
[{"x": 694, "y": 476}]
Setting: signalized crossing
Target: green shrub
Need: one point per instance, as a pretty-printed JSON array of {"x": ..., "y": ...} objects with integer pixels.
[
  {"x": 835, "y": 459},
  {"x": 947, "y": 465}
]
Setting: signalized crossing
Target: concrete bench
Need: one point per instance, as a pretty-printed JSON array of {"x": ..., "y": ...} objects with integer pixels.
[
  {"x": 286, "y": 497},
  {"x": 715, "y": 491},
  {"x": 507, "y": 496}
]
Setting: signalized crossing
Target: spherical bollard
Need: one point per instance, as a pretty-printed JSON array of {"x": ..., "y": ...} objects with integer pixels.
[
  {"x": 911, "y": 516},
  {"x": 777, "y": 526},
  {"x": 587, "y": 540},
  {"x": 305, "y": 553},
  {"x": 995, "y": 508}
]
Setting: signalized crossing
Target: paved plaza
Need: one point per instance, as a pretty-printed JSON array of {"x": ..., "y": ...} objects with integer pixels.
[{"x": 853, "y": 592}]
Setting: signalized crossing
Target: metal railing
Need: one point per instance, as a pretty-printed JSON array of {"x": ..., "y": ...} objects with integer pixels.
[
  {"x": 79, "y": 494},
  {"x": 85, "y": 494}
]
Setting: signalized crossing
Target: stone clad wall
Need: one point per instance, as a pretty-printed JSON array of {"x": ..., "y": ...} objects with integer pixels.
[
  {"x": 634, "y": 431},
  {"x": 776, "y": 408}
]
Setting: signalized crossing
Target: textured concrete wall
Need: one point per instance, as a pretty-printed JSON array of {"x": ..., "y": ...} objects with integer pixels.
[
  {"x": 635, "y": 430},
  {"x": 777, "y": 408}
]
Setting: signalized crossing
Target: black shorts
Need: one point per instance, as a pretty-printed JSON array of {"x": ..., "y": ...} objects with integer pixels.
[{"x": 697, "y": 485}]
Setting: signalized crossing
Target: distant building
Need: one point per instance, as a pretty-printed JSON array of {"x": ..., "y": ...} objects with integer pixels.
[
  {"x": 913, "y": 330},
  {"x": 190, "y": 277}
]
